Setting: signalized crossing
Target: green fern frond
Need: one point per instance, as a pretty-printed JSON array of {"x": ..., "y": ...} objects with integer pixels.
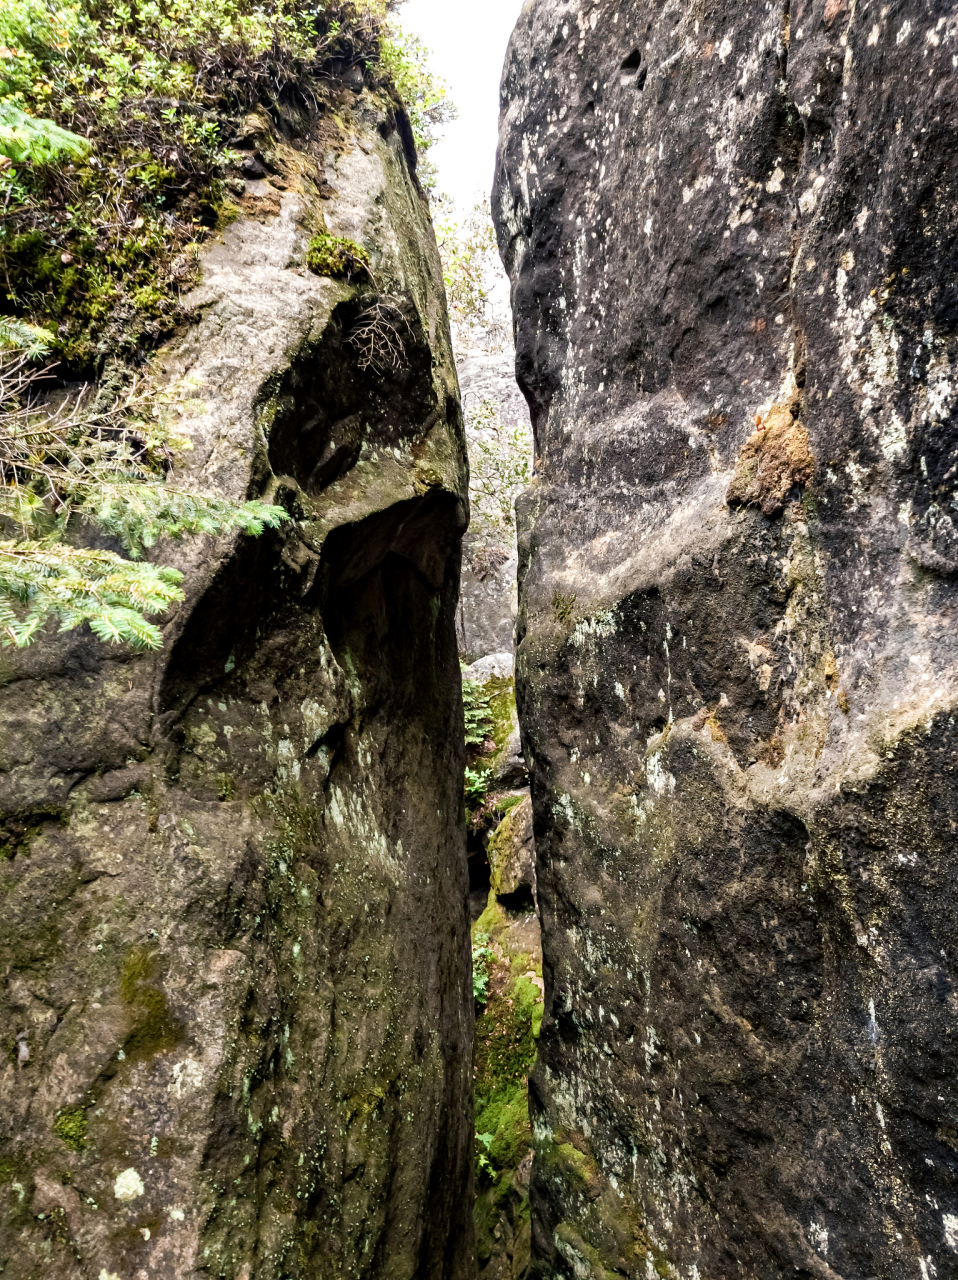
[{"x": 17, "y": 335}]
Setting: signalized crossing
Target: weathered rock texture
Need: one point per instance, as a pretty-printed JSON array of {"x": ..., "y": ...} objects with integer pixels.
[
  {"x": 731, "y": 232},
  {"x": 486, "y": 617},
  {"x": 235, "y": 967}
]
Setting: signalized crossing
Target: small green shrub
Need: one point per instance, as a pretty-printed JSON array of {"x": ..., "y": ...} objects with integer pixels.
[
  {"x": 476, "y": 712},
  {"x": 335, "y": 256},
  {"x": 481, "y": 956}
]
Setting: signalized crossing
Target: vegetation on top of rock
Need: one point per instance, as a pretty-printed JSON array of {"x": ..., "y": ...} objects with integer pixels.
[
  {"x": 335, "y": 256},
  {"x": 115, "y": 130},
  {"x": 99, "y": 463},
  {"x": 115, "y": 124}
]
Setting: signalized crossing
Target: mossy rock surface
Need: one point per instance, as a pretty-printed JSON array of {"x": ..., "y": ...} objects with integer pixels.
[
  {"x": 236, "y": 992},
  {"x": 507, "y": 1029},
  {"x": 335, "y": 256}
]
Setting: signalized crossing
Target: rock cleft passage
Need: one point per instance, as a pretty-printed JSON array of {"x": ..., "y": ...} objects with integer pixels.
[
  {"x": 731, "y": 235},
  {"x": 235, "y": 958}
]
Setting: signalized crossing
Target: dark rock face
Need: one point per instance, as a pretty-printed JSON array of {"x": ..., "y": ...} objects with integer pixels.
[
  {"x": 235, "y": 961},
  {"x": 731, "y": 234}
]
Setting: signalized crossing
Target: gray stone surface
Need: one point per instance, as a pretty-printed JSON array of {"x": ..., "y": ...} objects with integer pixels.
[
  {"x": 486, "y": 612},
  {"x": 496, "y": 666},
  {"x": 234, "y": 968},
  {"x": 492, "y": 376},
  {"x": 512, "y": 855},
  {"x": 731, "y": 233},
  {"x": 488, "y": 601}
]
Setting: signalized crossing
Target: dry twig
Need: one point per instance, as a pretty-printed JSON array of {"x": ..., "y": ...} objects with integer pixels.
[{"x": 377, "y": 337}]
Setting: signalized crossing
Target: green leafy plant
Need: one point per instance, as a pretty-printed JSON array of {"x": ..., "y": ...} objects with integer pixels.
[
  {"x": 477, "y": 715},
  {"x": 483, "y": 1163},
  {"x": 404, "y": 60},
  {"x": 39, "y": 141},
  {"x": 42, "y": 580},
  {"x": 74, "y": 465},
  {"x": 475, "y": 786},
  {"x": 471, "y": 271},
  {"x": 16, "y": 334},
  {"x": 482, "y": 956}
]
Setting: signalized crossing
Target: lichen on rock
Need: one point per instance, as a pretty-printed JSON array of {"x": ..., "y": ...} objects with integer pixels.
[
  {"x": 736, "y": 671},
  {"x": 775, "y": 462},
  {"x": 236, "y": 961}
]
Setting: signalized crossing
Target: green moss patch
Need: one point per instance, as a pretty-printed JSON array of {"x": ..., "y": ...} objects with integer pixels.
[
  {"x": 335, "y": 256},
  {"x": 506, "y": 1034},
  {"x": 71, "y": 1127},
  {"x": 155, "y": 1030}
]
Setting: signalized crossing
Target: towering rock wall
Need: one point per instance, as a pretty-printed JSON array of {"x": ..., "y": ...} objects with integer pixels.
[
  {"x": 731, "y": 233},
  {"x": 234, "y": 959}
]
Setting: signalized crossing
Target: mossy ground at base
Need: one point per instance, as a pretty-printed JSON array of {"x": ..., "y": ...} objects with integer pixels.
[{"x": 506, "y": 1040}]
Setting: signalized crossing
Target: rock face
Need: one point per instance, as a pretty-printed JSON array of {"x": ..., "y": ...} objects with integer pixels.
[
  {"x": 731, "y": 233},
  {"x": 235, "y": 958},
  {"x": 486, "y": 613},
  {"x": 486, "y": 617}
]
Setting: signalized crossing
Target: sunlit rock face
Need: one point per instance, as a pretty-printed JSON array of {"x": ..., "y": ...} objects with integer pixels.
[
  {"x": 237, "y": 1016},
  {"x": 731, "y": 238}
]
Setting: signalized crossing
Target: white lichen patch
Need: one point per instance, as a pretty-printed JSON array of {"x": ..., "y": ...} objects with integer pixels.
[
  {"x": 599, "y": 627},
  {"x": 187, "y": 1076},
  {"x": 949, "y": 1222},
  {"x": 128, "y": 1185},
  {"x": 819, "y": 1237},
  {"x": 659, "y": 779}
]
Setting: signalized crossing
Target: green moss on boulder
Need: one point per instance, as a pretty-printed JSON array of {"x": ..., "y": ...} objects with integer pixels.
[
  {"x": 71, "y": 1127},
  {"x": 335, "y": 256}
]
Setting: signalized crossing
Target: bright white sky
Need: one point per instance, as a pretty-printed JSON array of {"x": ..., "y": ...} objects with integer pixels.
[{"x": 467, "y": 41}]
